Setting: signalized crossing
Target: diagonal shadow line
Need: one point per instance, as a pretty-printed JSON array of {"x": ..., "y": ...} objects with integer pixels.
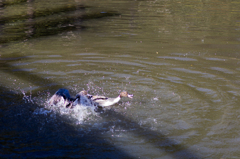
[
  {"x": 48, "y": 147},
  {"x": 159, "y": 140},
  {"x": 10, "y": 96},
  {"x": 163, "y": 142}
]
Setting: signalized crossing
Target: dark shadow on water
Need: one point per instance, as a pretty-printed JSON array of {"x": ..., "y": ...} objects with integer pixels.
[{"x": 26, "y": 132}]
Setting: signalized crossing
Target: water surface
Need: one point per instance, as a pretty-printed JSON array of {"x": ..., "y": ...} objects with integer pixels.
[{"x": 180, "y": 60}]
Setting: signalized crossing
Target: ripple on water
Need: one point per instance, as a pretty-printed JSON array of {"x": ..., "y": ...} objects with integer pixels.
[
  {"x": 86, "y": 54},
  {"x": 24, "y": 70},
  {"x": 54, "y": 55},
  {"x": 223, "y": 70},
  {"x": 187, "y": 70},
  {"x": 76, "y": 64},
  {"x": 207, "y": 92},
  {"x": 53, "y": 61},
  {"x": 235, "y": 93},
  {"x": 90, "y": 72},
  {"x": 203, "y": 74},
  {"x": 177, "y": 58},
  {"x": 173, "y": 79},
  {"x": 120, "y": 62},
  {"x": 215, "y": 59},
  {"x": 183, "y": 125}
]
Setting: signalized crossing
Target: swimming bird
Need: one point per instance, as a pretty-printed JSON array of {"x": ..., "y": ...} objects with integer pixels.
[
  {"x": 83, "y": 99},
  {"x": 61, "y": 97},
  {"x": 103, "y": 101}
]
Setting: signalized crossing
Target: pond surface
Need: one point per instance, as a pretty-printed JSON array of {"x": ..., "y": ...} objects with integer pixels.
[{"x": 180, "y": 59}]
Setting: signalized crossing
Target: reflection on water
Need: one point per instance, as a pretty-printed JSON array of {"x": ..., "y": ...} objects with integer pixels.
[{"x": 180, "y": 60}]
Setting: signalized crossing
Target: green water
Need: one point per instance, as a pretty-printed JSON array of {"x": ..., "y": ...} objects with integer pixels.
[{"x": 180, "y": 59}]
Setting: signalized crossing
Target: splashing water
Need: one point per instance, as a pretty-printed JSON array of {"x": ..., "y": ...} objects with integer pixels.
[
  {"x": 27, "y": 99},
  {"x": 80, "y": 112}
]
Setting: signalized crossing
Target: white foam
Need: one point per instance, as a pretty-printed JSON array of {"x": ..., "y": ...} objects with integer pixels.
[{"x": 80, "y": 112}]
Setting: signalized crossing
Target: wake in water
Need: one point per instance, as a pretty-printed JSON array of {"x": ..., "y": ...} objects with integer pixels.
[
  {"x": 81, "y": 107},
  {"x": 49, "y": 107}
]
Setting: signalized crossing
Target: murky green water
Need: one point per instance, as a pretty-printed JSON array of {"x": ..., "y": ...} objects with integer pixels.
[{"x": 180, "y": 59}]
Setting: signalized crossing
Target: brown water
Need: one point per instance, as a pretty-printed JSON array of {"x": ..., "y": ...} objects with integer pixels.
[{"x": 180, "y": 59}]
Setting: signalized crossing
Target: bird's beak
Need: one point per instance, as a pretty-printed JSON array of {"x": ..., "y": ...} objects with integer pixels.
[{"x": 130, "y": 95}]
